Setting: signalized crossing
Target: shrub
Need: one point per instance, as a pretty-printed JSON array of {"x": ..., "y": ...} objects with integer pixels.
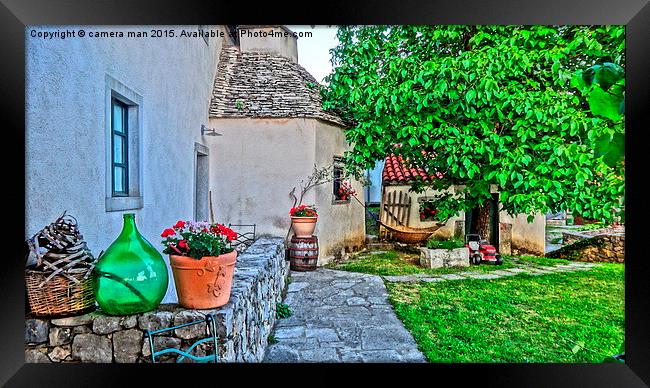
[
  {"x": 283, "y": 310},
  {"x": 437, "y": 243},
  {"x": 593, "y": 226}
]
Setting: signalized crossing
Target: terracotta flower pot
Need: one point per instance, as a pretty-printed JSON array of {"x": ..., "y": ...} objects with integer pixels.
[
  {"x": 205, "y": 283},
  {"x": 303, "y": 226}
]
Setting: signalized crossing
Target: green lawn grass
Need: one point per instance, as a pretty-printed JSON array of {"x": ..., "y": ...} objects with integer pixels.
[
  {"x": 563, "y": 317},
  {"x": 397, "y": 263}
]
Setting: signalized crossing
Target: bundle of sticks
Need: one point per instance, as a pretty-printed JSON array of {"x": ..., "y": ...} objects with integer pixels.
[{"x": 59, "y": 249}]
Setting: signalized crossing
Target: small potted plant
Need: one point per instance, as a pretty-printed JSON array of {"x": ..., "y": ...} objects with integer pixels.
[
  {"x": 427, "y": 211},
  {"x": 303, "y": 220},
  {"x": 346, "y": 191},
  {"x": 202, "y": 262}
]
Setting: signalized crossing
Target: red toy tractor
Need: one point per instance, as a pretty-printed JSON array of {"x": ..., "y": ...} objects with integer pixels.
[{"x": 480, "y": 250}]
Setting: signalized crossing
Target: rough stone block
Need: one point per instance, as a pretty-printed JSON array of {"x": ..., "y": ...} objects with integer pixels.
[
  {"x": 485, "y": 276},
  {"x": 281, "y": 354},
  {"x": 381, "y": 356},
  {"x": 193, "y": 331},
  {"x": 35, "y": 356},
  {"x": 297, "y": 286},
  {"x": 438, "y": 258},
  {"x": 402, "y": 278},
  {"x": 159, "y": 344},
  {"x": 127, "y": 345},
  {"x": 36, "y": 331},
  {"x": 290, "y": 332},
  {"x": 432, "y": 280},
  {"x": 59, "y": 353},
  {"x": 156, "y": 320},
  {"x": 83, "y": 329},
  {"x": 356, "y": 301},
  {"x": 74, "y": 321},
  {"x": 60, "y": 336},
  {"x": 104, "y": 324},
  {"x": 129, "y": 322},
  {"x": 322, "y": 334},
  {"x": 92, "y": 348},
  {"x": 451, "y": 276},
  {"x": 320, "y": 355},
  {"x": 385, "y": 338}
]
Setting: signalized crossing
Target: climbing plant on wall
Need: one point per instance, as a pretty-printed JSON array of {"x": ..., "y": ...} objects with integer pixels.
[{"x": 488, "y": 106}]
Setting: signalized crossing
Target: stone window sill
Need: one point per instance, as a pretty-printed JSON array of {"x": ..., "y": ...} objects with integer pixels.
[{"x": 114, "y": 204}]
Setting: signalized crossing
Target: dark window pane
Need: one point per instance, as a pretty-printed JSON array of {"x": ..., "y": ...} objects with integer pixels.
[{"x": 338, "y": 173}]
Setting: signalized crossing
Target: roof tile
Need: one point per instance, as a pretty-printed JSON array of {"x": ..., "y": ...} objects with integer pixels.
[{"x": 397, "y": 171}]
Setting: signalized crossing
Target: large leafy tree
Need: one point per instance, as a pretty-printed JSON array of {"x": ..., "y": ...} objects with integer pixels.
[{"x": 520, "y": 108}]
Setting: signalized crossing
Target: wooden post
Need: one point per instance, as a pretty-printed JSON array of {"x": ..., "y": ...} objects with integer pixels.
[
  {"x": 399, "y": 209},
  {"x": 408, "y": 212}
]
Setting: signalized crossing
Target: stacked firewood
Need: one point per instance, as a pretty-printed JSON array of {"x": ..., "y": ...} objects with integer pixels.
[{"x": 59, "y": 249}]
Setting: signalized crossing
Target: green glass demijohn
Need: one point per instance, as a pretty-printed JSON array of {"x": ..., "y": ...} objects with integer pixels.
[{"x": 131, "y": 276}]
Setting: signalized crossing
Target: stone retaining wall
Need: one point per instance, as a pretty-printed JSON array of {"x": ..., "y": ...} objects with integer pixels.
[
  {"x": 592, "y": 247},
  {"x": 243, "y": 325}
]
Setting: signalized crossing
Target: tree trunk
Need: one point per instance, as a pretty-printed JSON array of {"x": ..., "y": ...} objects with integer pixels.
[{"x": 483, "y": 221}]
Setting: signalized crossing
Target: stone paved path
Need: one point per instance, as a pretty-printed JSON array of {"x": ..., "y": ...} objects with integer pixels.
[
  {"x": 495, "y": 274},
  {"x": 340, "y": 316}
]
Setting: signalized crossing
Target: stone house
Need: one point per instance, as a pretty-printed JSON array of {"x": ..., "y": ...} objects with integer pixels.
[
  {"x": 268, "y": 109},
  {"x": 118, "y": 124},
  {"x": 507, "y": 232}
]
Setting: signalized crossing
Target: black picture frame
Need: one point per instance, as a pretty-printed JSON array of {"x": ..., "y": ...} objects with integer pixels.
[{"x": 15, "y": 15}]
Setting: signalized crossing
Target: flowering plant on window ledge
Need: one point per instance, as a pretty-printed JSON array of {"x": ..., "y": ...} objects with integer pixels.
[
  {"x": 427, "y": 211},
  {"x": 197, "y": 239},
  {"x": 303, "y": 211},
  {"x": 345, "y": 191}
]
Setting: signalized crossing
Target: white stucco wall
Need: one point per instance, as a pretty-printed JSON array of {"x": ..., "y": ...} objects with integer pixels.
[
  {"x": 66, "y": 121},
  {"x": 342, "y": 225},
  {"x": 528, "y": 236},
  {"x": 258, "y": 162}
]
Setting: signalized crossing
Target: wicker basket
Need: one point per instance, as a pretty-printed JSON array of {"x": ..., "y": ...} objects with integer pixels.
[
  {"x": 409, "y": 235},
  {"x": 59, "y": 296}
]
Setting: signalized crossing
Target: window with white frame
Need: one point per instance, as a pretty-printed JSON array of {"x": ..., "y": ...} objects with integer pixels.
[{"x": 123, "y": 156}]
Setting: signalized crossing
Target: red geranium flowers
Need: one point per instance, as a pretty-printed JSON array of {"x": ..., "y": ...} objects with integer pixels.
[
  {"x": 225, "y": 231},
  {"x": 197, "y": 239},
  {"x": 346, "y": 190},
  {"x": 303, "y": 211},
  {"x": 168, "y": 232}
]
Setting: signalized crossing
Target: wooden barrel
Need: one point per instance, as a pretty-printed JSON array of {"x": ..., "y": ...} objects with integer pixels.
[{"x": 303, "y": 253}]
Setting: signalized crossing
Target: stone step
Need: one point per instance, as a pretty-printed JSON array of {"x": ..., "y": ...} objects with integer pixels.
[{"x": 380, "y": 246}]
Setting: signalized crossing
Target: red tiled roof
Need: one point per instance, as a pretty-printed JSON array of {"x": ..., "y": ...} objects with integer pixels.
[{"x": 396, "y": 170}]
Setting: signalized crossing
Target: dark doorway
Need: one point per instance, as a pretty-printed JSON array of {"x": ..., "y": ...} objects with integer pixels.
[
  {"x": 471, "y": 216},
  {"x": 201, "y": 182}
]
